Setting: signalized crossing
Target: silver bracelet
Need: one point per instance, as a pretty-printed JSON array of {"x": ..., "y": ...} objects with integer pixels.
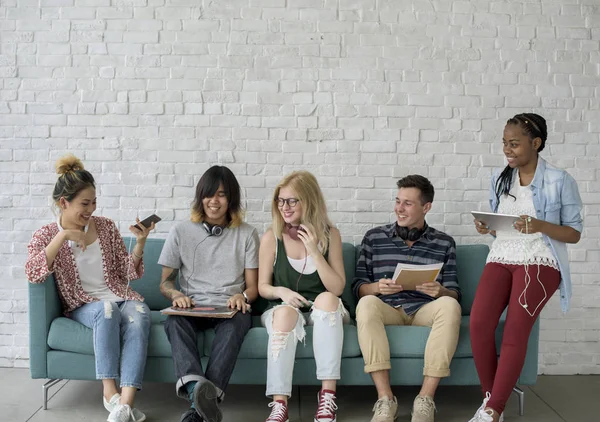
[{"x": 136, "y": 255}]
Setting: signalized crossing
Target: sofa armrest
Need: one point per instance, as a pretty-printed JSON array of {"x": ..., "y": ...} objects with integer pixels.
[{"x": 44, "y": 307}]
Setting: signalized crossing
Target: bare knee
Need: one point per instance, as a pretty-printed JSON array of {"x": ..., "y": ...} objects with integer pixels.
[
  {"x": 327, "y": 301},
  {"x": 284, "y": 318}
]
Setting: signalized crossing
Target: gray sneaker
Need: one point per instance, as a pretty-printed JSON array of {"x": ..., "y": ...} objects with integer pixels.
[
  {"x": 206, "y": 401},
  {"x": 191, "y": 416},
  {"x": 385, "y": 410},
  {"x": 423, "y": 409}
]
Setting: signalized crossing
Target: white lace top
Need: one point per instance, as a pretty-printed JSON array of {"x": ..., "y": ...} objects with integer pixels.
[{"x": 512, "y": 247}]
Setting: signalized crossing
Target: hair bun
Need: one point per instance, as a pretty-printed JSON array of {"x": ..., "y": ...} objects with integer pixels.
[{"x": 67, "y": 164}]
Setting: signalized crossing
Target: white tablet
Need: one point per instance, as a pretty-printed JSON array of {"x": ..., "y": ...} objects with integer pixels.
[{"x": 496, "y": 221}]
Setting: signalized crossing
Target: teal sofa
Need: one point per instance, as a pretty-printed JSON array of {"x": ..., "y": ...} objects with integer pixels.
[{"x": 61, "y": 348}]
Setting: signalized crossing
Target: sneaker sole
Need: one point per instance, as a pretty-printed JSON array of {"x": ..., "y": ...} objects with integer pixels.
[
  {"x": 205, "y": 402},
  {"x": 333, "y": 420},
  {"x": 136, "y": 413}
]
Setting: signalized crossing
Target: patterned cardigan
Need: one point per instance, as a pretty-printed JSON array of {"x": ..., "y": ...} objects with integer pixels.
[{"x": 119, "y": 268}]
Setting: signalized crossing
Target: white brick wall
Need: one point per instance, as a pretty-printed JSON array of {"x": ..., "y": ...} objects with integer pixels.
[{"x": 150, "y": 93}]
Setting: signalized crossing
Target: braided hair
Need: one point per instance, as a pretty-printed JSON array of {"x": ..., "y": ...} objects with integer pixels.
[{"x": 534, "y": 126}]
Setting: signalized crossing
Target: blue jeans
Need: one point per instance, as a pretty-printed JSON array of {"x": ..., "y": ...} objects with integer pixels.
[
  {"x": 182, "y": 332},
  {"x": 126, "y": 322}
]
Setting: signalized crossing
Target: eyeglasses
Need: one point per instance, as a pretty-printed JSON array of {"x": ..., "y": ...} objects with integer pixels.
[{"x": 292, "y": 202}]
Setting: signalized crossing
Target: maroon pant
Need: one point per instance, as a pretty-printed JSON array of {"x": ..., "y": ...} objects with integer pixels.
[{"x": 500, "y": 286}]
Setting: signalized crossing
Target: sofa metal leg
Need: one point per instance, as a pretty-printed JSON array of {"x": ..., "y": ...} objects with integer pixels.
[
  {"x": 521, "y": 396},
  {"x": 45, "y": 389}
]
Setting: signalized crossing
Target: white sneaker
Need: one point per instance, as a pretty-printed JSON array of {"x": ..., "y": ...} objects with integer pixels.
[
  {"x": 110, "y": 405},
  {"x": 137, "y": 415},
  {"x": 121, "y": 413},
  {"x": 483, "y": 415}
]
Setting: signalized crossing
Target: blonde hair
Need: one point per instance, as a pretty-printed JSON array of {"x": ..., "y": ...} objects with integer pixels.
[
  {"x": 234, "y": 219},
  {"x": 68, "y": 163},
  {"x": 314, "y": 210},
  {"x": 72, "y": 179}
]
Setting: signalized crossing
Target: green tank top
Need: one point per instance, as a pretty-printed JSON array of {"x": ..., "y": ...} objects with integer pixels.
[{"x": 284, "y": 275}]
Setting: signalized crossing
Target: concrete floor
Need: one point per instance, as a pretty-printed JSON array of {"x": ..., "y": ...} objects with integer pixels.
[{"x": 553, "y": 399}]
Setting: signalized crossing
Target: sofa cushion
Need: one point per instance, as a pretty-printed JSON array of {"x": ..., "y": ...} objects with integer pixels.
[
  {"x": 349, "y": 255},
  {"x": 470, "y": 260},
  {"x": 257, "y": 340},
  {"x": 409, "y": 341},
  {"x": 71, "y": 336},
  {"x": 148, "y": 285}
]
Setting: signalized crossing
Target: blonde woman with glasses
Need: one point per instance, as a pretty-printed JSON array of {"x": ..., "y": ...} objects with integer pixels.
[{"x": 301, "y": 273}]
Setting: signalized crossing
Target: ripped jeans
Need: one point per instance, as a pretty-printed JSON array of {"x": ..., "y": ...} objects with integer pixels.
[
  {"x": 328, "y": 339},
  {"x": 113, "y": 323}
]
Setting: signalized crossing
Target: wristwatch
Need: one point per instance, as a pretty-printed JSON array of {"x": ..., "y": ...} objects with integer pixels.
[{"x": 246, "y": 297}]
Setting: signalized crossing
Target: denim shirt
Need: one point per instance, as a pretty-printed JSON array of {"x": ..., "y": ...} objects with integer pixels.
[{"x": 557, "y": 201}]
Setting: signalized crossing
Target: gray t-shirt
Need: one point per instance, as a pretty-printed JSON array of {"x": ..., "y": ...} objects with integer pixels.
[{"x": 211, "y": 268}]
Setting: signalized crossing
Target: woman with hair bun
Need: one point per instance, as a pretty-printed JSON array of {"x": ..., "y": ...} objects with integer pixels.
[
  {"x": 527, "y": 263},
  {"x": 92, "y": 270}
]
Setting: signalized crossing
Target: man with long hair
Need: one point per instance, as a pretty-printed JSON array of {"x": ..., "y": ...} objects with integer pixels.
[{"x": 215, "y": 255}]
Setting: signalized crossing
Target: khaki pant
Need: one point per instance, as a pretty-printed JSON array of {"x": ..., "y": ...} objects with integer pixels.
[{"x": 443, "y": 315}]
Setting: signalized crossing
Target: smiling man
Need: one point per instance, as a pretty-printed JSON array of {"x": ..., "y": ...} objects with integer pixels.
[
  {"x": 215, "y": 256},
  {"x": 408, "y": 240}
]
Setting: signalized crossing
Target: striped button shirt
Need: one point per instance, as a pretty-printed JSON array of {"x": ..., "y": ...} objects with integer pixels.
[{"x": 381, "y": 250}]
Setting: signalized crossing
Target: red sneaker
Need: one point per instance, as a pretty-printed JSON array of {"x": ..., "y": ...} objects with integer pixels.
[
  {"x": 327, "y": 407},
  {"x": 279, "y": 412}
]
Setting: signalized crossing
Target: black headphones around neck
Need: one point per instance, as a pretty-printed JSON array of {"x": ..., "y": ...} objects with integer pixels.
[
  {"x": 212, "y": 229},
  {"x": 411, "y": 235}
]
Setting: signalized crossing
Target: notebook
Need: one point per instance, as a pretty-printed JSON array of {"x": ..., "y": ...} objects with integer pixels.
[
  {"x": 409, "y": 276},
  {"x": 201, "y": 311}
]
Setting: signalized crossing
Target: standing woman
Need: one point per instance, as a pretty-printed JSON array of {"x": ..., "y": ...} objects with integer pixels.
[
  {"x": 92, "y": 270},
  {"x": 301, "y": 273},
  {"x": 526, "y": 265}
]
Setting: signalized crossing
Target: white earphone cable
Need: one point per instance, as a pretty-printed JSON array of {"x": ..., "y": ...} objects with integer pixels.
[{"x": 523, "y": 296}]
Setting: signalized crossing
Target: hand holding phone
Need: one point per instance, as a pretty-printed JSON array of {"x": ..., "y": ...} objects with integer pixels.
[{"x": 147, "y": 222}]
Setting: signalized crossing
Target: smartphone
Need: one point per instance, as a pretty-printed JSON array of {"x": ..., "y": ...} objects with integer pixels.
[{"x": 147, "y": 222}]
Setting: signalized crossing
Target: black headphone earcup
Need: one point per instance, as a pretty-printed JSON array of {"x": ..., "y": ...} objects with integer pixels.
[
  {"x": 411, "y": 235},
  {"x": 414, "y": 234},
  {"x": 402, "y": 232}
]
